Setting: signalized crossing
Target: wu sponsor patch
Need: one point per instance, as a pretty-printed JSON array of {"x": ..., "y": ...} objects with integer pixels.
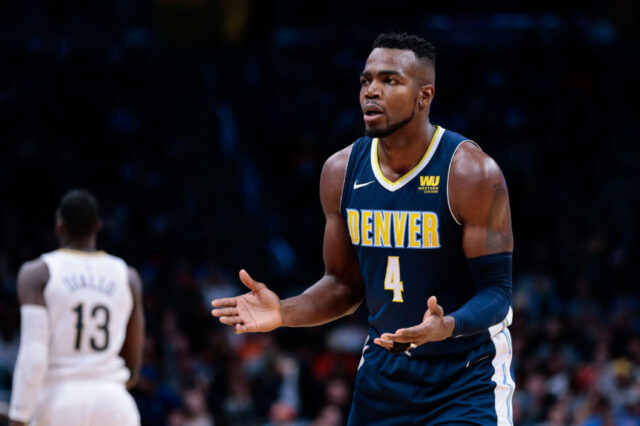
[{"x": 429, "y": 184}]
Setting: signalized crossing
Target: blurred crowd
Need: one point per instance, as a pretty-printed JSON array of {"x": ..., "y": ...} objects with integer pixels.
[{"x": 202, "y": 126}]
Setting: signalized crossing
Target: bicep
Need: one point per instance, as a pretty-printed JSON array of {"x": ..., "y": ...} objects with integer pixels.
[
  {"x": 32, "y": 278},
  {"x": 488, "y": 230},
  {"x": 340, "y": 257},
  {"x": 482, "y": 201}
]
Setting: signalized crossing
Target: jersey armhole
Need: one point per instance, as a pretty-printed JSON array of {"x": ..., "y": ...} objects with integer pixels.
[
  {"x": 347, "y": 178},
  {"x": 47, "y": 262},
  {"x": 455, "y": 219}
]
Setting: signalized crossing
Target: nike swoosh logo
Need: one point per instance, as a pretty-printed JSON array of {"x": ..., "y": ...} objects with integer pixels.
[
  {"x": 476, "y": 361},
  {"x": 357, "y": 185}
]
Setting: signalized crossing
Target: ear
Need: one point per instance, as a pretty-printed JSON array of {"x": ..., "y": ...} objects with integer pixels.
[
  {"x": 60, "y": 229},
  {"x": 99, "y": 226},
  {"x": 425, "y": 96}
]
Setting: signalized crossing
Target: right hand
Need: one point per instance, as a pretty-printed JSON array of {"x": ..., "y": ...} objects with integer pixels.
[{"x": 258, "y": 310}]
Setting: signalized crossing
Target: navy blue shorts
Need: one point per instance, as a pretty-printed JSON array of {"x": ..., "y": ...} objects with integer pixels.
[{"x": 473, "y": 389}]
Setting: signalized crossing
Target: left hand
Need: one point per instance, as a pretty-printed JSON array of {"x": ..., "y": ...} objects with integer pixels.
[{"x": 434, "y": 327}]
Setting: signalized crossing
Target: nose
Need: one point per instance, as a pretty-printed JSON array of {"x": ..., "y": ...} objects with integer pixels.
[{"x": 372, "y": 91}]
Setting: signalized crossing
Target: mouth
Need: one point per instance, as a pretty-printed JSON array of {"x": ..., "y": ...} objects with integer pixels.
[{"x": 372, "y": 112}]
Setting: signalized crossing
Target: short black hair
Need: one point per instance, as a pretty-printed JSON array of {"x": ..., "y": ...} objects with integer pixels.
[
  {"x": 79, "y": 212},
  {"x": 423, "y": 49}
]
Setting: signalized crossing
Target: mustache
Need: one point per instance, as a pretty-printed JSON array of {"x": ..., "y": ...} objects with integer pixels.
[{"x": 390, "y": 129}]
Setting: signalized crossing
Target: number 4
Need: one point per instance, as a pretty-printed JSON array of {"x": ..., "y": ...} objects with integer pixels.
[{"x": 392, "y": 278}]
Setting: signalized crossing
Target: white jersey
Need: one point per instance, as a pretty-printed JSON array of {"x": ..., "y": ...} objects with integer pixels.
[{"x": 89, "y": 301}]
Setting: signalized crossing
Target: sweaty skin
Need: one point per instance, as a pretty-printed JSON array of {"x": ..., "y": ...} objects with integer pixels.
[{"x": 395, "y": 96}]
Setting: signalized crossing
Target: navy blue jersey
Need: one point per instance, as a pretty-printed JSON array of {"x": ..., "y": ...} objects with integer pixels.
[{"x": 408, "y": 243}]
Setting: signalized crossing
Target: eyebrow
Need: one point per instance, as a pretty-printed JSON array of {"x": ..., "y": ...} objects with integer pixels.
[{"x": 384, "y": 72}]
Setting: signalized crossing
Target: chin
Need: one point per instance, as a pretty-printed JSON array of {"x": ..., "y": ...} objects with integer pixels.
[{"x": 377, "y": 132}]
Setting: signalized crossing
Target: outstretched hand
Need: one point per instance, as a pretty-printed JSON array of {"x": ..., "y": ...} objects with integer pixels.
[
  {"x": 258, "y": 310},
  {"x": 434, "y": 327}
]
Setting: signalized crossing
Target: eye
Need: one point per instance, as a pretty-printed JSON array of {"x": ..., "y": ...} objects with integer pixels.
[
  {"x": 390, "y": 81},
  {"x": 363, "y": 81}
]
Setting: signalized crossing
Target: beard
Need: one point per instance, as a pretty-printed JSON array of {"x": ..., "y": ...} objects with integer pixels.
[{"x": 390, "y": 129}]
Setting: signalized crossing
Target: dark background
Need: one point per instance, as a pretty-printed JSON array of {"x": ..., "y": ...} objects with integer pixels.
[{"x": 202, "y": 126}]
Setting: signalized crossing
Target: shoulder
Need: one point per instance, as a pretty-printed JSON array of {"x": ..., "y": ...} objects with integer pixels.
[
  {"x": 32, "y": 278},
  {"x": 34, "y": 269},
  {"x": 332, "y": 178},
  {"x": 135, "y": 282},
  {"x": 337, "y": 163},
  {"x": 472, "y": 166},
  {"x": 474, "y": 178}
]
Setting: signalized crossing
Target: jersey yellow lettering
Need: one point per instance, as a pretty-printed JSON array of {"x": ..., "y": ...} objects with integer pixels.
[
  {"x": 414, "y": 230},
  {"x": 367, "y": 227},
  {"x": 430, "y": 237},
  {"x": 392, "y": 279},
  {"x": 399, "y": 226},
  {"x": 382, "y": 221},
  {"x": 353, "y": 222},
  {"x": 429, "y": 180}
]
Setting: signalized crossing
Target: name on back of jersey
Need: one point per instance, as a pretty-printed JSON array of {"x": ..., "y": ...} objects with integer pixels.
[
  {"x": 86, "y": 281},
  {"x": 393, "y": 228}
]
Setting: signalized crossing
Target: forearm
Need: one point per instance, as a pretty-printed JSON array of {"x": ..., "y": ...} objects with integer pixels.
[
  {"x": 487, "y": 307},
  {"x": 132, "y": 349},
  {"x": 134, "y": 372},
  {"x": 490, "y": 305},
  {"x": 31, "y": 365},
  {"x": 325, "y": 301}
]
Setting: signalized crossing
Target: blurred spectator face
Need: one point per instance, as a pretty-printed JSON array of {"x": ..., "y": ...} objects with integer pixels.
[
  {"x": 536, "y": 386},
  {"x": 389, "y": 100},
  {"x": 195, "y": 401},
  {"x": 282, "y": 413},
  {"x": 329, "y": 416},
  {"x": 176, "y": 418},
  {"x": 337, "y": 392},
  {"x": 558, "y": 414}
]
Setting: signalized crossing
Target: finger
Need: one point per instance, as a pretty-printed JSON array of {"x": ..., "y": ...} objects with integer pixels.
[
  {"x": 397, "y": 337},
  {"x": 387, "y": 344},
  {"x": 402, "y": 338},
  {"x": 241, "y": 328},
  {"x": 230, "y": 320},
  {"x": 226, "y": 312},
  {"x": 411, "y": 334},
  {"x": 434, "y": 308},
  {"x": 223, "y": 303},
  {"x": 252, "y": 284}
]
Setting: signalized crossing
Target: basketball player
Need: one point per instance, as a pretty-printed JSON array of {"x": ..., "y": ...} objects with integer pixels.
[
  {"x": 418, "y": 225},
  {"x": 82, "y": 329}
]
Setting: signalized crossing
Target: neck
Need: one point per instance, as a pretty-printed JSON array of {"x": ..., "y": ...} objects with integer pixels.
[
  {"x": 400, "y": 152},
  {"x": 81, "y": 244}
]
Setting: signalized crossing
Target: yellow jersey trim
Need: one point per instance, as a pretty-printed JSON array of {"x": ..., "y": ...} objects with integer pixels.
[
  {"x": 82, "y": 252},
  {"x": 392, "y": 186}
]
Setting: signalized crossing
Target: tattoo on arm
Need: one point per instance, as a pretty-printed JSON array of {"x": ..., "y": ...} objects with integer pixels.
[{"x": 498, "y": 225}]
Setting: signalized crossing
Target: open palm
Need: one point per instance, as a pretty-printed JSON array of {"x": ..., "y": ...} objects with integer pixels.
[{"x": 257, "y": 310}]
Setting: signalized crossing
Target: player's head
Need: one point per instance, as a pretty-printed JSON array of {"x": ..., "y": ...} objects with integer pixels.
[
  {"x": 77, "y": 216},
  {"x": 397, "y": 84}
]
